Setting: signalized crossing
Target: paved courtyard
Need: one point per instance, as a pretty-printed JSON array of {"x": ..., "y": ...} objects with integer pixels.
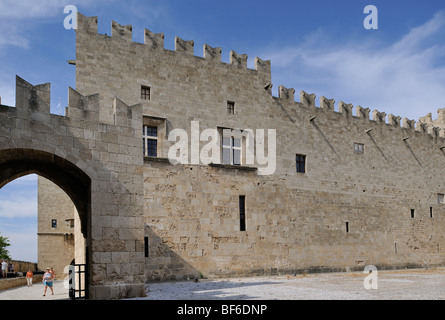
[
  {"x": 418, "y": 284},
  {"x": 35, "y": 292}
]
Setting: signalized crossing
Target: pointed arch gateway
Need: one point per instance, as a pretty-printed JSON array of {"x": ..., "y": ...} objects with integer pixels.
[
  {"x": 15, "y": 163},
  {"x": 77, "y": 152}
]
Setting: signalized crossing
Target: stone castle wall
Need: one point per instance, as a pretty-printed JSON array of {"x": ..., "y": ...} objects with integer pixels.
[{"x": 348, "y": 210}]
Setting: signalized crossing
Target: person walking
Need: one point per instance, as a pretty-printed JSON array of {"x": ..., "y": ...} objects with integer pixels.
[
  {"x": 53, "y": 273},
  {"x": 4, "y": 269},
  {"x": 11, "y": 267},
  {"x": 29, "y": 275},
  {"x": 48, "y": 281}
]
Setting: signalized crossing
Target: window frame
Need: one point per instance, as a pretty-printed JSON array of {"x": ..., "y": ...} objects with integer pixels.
[
  {"x": 230, "y": 107},
  {"x": 232, "y": 149},
  {"x": 144, "y": 93},
  {"x": 300, "y": 165},
  {"x": 146, "y": 138},
  {"x": 359, "y": 148}
]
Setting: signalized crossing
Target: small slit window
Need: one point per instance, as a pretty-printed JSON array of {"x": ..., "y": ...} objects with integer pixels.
[
  {"x": 359, "y": 148},
  {"x": 145, "y": 93},
  {"x": 242, "y": 213},
  {"x": 300, "y": 163},
  {"x": 146, "y": 247},
  {"x": 230, "y": 107}
]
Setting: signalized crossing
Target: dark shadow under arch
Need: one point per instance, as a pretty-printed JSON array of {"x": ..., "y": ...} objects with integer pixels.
[{"x": 15, "y": 163}]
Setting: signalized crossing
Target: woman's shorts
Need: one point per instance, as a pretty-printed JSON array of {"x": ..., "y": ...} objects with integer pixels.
[{"x": 48, "y": 283}]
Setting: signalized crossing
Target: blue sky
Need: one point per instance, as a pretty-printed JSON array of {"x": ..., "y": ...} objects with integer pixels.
[{"x": 317, "y": 46}]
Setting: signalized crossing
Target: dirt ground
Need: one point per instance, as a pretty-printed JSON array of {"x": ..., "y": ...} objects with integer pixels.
[{"x": 413, "y": 284}]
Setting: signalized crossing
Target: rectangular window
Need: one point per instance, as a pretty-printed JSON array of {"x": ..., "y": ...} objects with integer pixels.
[
  {"x": 231, "y": 151},
  {"x": 146, "y": 246},
  {"x": 412, "y": 213},
  {"x": 230, "y": 107},
  {"x": 301, "y": 163},
  {"x": 145, "y": 93},
  {"x": 150, "y": 141},
  {"x": 347, "y": 227},
  {"x": 359, "y": 148},
  {"x": 431, "y": 212},
  {"x": 242, "y": 213},
  {"x": 54, "y": 223},
  {"x": 440, "y": 198}
]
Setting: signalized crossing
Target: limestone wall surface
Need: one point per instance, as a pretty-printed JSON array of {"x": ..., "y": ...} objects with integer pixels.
[{"x": 382, "y": 206}]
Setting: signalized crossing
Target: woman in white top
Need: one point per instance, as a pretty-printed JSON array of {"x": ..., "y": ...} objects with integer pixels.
[{"x": 48, "y": 281}]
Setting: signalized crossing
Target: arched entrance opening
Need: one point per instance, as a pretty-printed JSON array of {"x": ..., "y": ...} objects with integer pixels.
[{"x": 15, "y": 163}]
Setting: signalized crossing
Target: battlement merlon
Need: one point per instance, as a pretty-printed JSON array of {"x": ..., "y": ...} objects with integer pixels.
[
  {"x": 286, "y": 94},
  {"x": 34, "y": 99},
  {"x": 127, "y": 116},
  {"x": 327, "y": 104},
  {"x": 211, "y": 53},
  {"x": 82, "y": 107},
  {"x": 121, "y": 31},
  {"x": 345, "y": 108},
  {"x": 239, "y": 60},
  {"x": 154, "y": 40},
  {"x": 184, "y": 46},
  {"x": 86, "y": 24},
  {"x": 394, "y": 120},
  {"x": 308, "y": 100}
]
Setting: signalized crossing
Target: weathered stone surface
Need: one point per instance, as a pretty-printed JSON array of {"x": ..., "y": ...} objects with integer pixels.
[{"x": 348, "y": 209}]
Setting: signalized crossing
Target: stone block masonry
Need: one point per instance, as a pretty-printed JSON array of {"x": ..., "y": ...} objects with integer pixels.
[{"x": 348, "y": 190}]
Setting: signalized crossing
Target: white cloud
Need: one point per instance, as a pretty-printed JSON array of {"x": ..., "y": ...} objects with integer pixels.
[
  {"x": 24, "y": 244},
  {"x": 18, "y": 199},
  {"x": 27, "y": 9},
  {"x": 19, "y": 207},
  {"x": 405, "y": 78}
]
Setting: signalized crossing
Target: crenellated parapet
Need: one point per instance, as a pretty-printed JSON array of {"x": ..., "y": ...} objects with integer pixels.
[
  {"x": 33, "y": 103},
  {"x": 81, "y": 106},
  {"x": 425, "y": 124},
  {"x": 155, "y": 41}
]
